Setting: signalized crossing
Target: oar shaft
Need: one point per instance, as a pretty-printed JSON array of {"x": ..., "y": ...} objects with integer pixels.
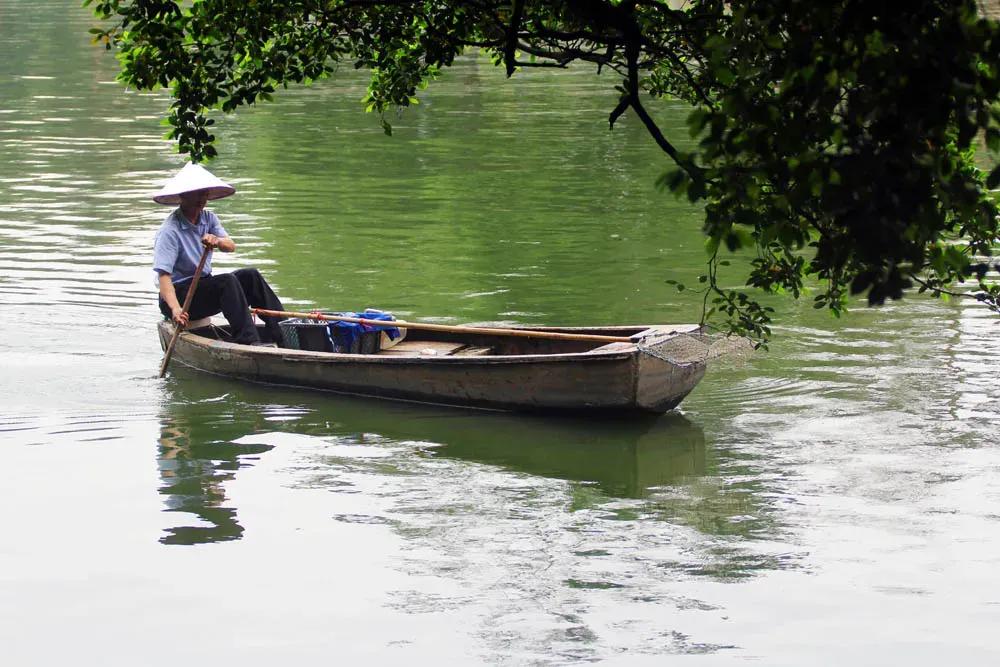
[
  {"x": 187, "y": 304},
  {"x": 427, "y": 326}
]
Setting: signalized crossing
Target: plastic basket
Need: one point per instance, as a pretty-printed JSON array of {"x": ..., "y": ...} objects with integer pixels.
[{"x": 314, "y": 336}]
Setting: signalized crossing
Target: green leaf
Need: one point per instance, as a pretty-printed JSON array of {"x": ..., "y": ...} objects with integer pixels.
[
  {"x": 712, "y": 244},
  {"x": 725, "y": 75},
  {"x": 993, "y": 140},
  {"x": 697, "y": 120},
  {"x": 993, "y": 180}
]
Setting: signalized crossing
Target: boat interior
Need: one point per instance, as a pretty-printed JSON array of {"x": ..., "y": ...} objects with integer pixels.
[{"x": 419, "y": 342}]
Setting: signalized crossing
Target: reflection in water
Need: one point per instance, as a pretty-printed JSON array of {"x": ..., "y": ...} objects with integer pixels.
[
  {"x": 435, "y": 475},
  {"x": 529, "y": 526},
  {"x": 195, "y": 462},
  {"x": 623, "y": 459}
]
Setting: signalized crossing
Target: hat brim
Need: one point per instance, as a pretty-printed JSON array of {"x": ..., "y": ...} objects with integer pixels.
[
  {"x": 215, "y": 192},
  {"x": 193, "y": 178}
]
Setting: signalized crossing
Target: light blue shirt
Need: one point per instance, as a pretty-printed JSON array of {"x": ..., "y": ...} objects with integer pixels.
[{"x": 177, "y": 248}]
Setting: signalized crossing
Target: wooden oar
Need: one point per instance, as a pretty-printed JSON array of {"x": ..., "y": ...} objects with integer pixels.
[
  {"x": 187, "y": 304},
  {"x": 523, "y": 333}
]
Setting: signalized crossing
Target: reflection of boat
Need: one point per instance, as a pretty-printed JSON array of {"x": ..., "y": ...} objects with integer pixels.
[
  {"x": 652, "y": 372},
  {"x": 622, "y": 459}
]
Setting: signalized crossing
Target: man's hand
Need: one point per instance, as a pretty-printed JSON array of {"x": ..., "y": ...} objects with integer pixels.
[
  {"x": 223, "y": 243},
  {"x": 179, "y": 316}
]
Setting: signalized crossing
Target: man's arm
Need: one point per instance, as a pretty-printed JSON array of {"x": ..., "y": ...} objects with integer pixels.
[
  {"x": 169, "y": 295},
  {"x": 217, "y": 237},
  {"x": 223, "y": 243}
]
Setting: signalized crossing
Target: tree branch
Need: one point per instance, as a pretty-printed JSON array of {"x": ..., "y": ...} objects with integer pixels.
[
  {"x": 632, "y": 96},
  {"x": 623, "y": 104},
  {"x": 510, "y": 45},
  {"x": 936, "y": 290},
  {"x": 564, "y": 56},
  {"x": 556, "y": 65}
]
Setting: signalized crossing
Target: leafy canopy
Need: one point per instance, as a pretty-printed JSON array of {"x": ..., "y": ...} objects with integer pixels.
[{"x": 833, "y": 139}]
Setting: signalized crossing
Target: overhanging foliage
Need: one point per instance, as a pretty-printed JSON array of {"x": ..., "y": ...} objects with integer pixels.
[{"x": 835, "y": 139}]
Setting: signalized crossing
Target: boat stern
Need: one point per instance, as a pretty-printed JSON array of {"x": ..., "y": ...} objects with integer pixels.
[
  {"x": 667, "y": 370},
  {"x": 164, "y": 331}
]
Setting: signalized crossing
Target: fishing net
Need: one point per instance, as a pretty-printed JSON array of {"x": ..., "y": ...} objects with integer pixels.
[{"x": 693, "y": 348}]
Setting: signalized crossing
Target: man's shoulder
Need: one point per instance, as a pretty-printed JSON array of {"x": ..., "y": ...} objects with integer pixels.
[
  {"x": 172, "y": 220},
  {"x": 170, "y": 225}
]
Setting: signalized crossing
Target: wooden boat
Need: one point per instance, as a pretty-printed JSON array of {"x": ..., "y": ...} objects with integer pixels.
[{"x": 651, "y": 372}]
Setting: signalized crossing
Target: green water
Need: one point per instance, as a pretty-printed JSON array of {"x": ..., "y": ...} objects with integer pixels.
[{"x": 833, "y": 501}]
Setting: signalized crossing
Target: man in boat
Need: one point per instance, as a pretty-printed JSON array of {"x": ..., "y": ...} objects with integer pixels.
[{"x": 178, "y": 248}]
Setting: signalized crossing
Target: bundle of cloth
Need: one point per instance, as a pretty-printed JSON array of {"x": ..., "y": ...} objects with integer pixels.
[{"x": 346, "y": 334}]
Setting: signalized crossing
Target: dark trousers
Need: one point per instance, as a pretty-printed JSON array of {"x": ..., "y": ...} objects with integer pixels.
[{"x": 232, "y": 294}]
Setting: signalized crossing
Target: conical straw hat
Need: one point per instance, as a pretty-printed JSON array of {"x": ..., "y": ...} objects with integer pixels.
[{"x": 193, "y": 177}]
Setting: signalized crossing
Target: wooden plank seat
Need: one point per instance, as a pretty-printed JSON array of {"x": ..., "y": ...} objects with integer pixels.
[{"x": 434, "y": 348}]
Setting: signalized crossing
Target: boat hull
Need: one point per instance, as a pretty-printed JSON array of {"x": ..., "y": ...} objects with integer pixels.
[{"x": 613, "y": 378}]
